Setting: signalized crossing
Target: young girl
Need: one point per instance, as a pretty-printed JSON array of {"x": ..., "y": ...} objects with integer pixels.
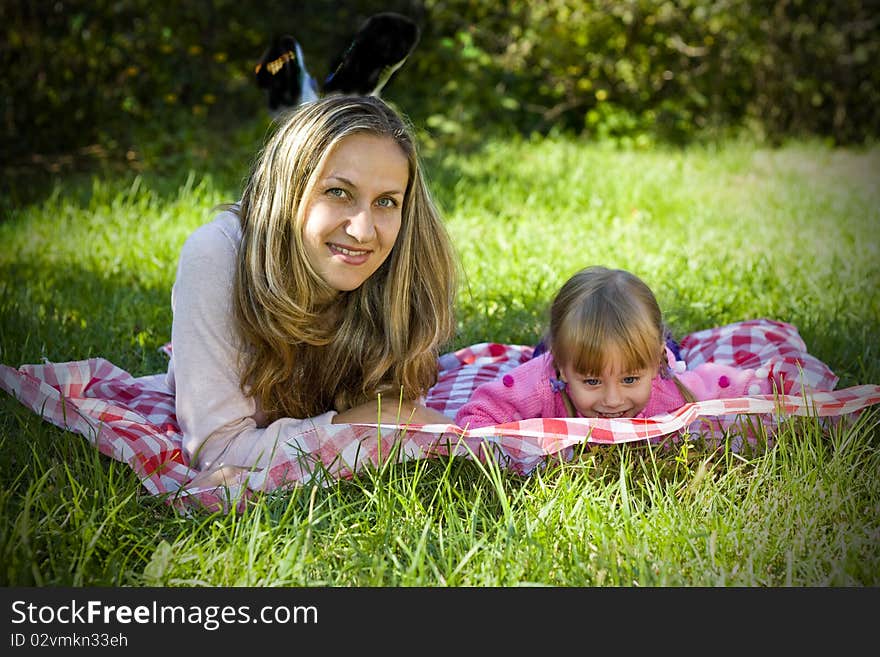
[
  {"x": 331, "y": 282},
  {"x": 606, "y": 357}
]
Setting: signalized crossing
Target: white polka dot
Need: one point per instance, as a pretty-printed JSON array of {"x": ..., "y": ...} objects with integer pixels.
[
  {"x": 762, "y": 372},
  {"x": 754, "y": 389}
]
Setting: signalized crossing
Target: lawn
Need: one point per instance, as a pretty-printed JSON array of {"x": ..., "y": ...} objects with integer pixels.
[{"x": 721, "y": 232}]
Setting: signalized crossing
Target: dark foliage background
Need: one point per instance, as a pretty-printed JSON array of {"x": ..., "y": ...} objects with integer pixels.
[{"x": 84, "y": 76}]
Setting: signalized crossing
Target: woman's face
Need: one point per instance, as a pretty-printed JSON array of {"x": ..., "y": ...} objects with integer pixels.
[{"x": 354, "y": 213}]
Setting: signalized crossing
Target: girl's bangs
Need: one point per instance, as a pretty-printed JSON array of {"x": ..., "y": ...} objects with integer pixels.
[{"x": 590, "y": 350}]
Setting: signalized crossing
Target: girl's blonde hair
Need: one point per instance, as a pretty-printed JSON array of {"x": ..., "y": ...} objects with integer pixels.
[
  {"x": 307, "y": 347},
  {"x": 599, "y": 311}
]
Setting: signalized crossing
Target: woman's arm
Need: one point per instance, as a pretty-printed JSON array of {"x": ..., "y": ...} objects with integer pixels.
[
  {"x": 392, "y": 412},
  {"x": 220, "y": 425}
]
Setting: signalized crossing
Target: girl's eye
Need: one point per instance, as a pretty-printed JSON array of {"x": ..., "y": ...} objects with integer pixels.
[
  {"x": 387, "y": 202},
  {"x": 630, "y": 380},
  {"x": 592, "y": 382}
]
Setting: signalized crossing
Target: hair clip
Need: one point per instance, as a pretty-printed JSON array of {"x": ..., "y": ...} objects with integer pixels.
[{"x": 557, "y": 385}]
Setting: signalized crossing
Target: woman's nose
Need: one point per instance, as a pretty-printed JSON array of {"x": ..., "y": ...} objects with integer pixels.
[{"x": 361, "y": 226}]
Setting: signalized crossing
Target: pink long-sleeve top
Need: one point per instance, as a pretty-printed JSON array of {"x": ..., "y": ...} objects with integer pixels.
[
  {"x": 220, "y": 424},
  {"x": 526, "y": 392}
]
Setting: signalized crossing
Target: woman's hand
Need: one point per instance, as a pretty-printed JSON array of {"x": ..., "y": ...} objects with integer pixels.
[
  {"x": 224, "y": 476},
  {"x": 395, "y": 412}
]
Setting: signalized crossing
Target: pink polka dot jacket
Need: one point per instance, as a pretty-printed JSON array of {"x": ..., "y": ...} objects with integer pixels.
[{"x": 531, "y": 391}]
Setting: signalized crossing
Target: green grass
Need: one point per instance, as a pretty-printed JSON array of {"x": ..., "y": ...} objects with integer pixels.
[{"x": 722, "y": 233}]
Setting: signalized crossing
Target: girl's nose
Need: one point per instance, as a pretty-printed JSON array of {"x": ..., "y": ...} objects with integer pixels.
[
  {"x": 613, "y": 397},
  {"x": 360, "y": 226}
]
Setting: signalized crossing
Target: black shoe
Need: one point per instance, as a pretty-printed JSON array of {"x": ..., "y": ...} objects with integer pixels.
[
  {"x": 282, "y": 73},
  {"x": 379, "y": 48}
]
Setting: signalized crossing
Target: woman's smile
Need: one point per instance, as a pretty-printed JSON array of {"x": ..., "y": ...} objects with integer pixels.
[{"x": 349, "y": 255}]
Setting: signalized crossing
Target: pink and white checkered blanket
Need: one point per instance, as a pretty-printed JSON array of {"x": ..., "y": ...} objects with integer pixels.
[{"x": 132, "y": 419}]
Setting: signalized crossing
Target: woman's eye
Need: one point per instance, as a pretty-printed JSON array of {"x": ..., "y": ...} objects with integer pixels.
[
  {"x": 387, "y": 202},
  {"x": 337, "y": 192}
]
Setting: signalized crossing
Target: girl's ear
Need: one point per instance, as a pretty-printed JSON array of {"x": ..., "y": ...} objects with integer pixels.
[{"x": 664, "y": 368}]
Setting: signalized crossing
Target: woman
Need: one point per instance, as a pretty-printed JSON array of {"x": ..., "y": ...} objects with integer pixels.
[{"x": 323, "y": 296}]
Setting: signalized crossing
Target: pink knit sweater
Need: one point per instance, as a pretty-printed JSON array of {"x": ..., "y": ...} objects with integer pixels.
[{"x": 525, "y": 392}]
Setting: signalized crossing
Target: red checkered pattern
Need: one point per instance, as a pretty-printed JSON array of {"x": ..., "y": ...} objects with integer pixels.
[
  {"x": 463, "y": 370},
  {"x": 132, "y": 420},
  {"x": 776, "y": 346}
]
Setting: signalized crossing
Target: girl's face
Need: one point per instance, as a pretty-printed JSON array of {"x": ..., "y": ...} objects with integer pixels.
[
  {"x": 354, "y": 213},
  {"x": 616, "y": 392}
]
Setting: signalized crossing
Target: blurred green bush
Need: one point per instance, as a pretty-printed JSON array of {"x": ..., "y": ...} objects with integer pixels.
[{"x": 80, "y": 73}]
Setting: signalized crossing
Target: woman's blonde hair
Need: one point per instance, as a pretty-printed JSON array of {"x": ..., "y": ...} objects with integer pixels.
[
  {"x": 307, "y": 347},
  {"x": 599, "y": 311}
]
